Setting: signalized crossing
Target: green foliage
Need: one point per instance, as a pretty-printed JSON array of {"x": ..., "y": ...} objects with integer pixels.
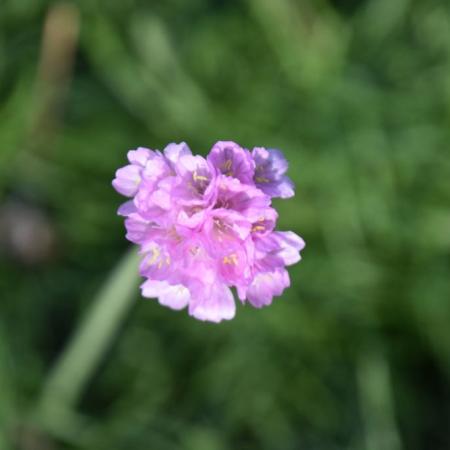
[{"x": 356, "y": 354}]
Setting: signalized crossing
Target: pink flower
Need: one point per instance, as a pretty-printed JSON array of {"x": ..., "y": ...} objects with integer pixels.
[{"x": 204, "y": 226}]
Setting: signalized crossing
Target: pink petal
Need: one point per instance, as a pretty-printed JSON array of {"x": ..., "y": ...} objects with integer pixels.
[
  {"x": 174, "y": 296},
  {"x": 214, "y": 304},
  {"x": 266, "y": 285},
  {"x": 140, "y": 156},
  {"x": 127, "y": 180}
]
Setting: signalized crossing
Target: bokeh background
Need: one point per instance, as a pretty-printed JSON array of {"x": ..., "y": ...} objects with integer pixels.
[{"x": 356, "y": 354}]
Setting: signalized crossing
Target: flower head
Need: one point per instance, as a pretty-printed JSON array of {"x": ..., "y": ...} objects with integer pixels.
[{"x": 204, "y": 226}]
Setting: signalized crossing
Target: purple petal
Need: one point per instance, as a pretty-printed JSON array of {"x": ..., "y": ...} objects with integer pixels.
[
  {"x": 127, "y": 208},
  {"x": 232, "y": 160},
  {"x": 278, "y": 162},
  {"x": 284, "y": 188},
  {"x": 270, "y": 167}
]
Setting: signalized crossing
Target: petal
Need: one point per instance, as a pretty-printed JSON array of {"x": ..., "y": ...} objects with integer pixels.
[
  {"x": 196, "y": 180},
  {"x": 290, "y": 246},
  {"x": 266, "y": 285},
  {"x": 156, "y": 263},
  {"x": 161, "y": 198},
  {"x": 248, "y": 200},
  {"x": 173, "y": 151},
  {"x": 190, "y": 217},
  {"x": 127, "y": 180},
  {"x": 140, "y": 156},
  {"x": 191, "y": 163},
  {"x": 174, "y": 296},
  {"x": 127, "y": 208},
  {"x": 278, "y": 162},
  {"x": 232, "y": 160},
  {"x": 137, "y": 228},
  {"x": 153, "y": 288},
  {"x": 271, "y": 162},
  {"x": 270, "y": 167},
  {"x": 155, "y": 169},
  {"x": 283, "y": 189},
  {"x": 227, "y": 223},
  {"x": 212, "y": 303},
  {"x": 265, "y": 223}
]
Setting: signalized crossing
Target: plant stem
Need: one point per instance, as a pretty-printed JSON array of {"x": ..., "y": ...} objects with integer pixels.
[{"x": 84, "y": 352}]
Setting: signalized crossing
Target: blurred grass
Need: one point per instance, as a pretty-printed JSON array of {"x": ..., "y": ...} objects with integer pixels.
[{"x": 356, "y": 93}]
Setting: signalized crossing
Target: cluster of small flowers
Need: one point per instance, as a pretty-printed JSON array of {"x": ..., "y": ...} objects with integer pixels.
[{"x": 205, "y": 225}]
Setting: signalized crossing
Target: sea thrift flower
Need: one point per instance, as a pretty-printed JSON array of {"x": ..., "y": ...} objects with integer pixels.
[{"x": 204, "y": 226}]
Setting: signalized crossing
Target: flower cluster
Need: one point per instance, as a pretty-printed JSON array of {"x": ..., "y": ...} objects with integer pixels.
[{"x": 205, "y": 225}]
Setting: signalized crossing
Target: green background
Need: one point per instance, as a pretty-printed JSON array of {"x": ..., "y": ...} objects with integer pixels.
[{"x": 356, "y": 353}]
